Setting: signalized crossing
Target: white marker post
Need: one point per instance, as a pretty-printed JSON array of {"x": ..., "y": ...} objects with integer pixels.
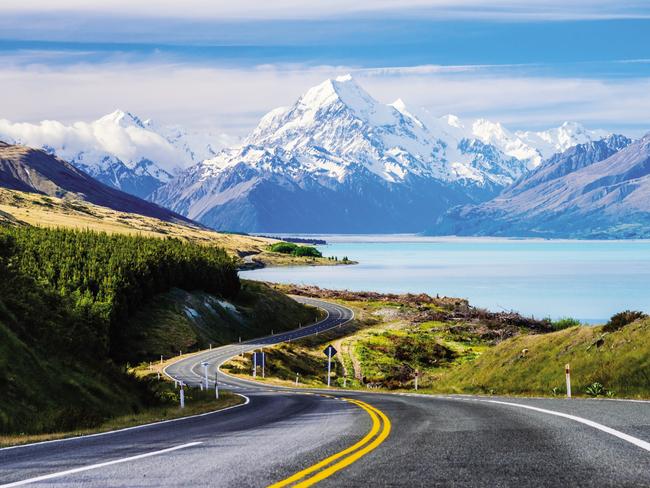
[
  {"x": 211, "y": 346},
  {"x": 216, "y": 383},
  {"x": 263, "y": 363},
  {"x": 182, "y": 395},
  {"x": 161, "y": 359},
  {"x": 205, "y": 370},
  {"x": 567, "y": 370},
  {"x": 297, "y": 374},
  {"x": 254, "y": 364}
]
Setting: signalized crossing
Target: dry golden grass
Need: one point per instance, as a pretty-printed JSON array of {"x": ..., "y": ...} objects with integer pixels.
[
  {"x": 36, "y": 209},
  {"x": 45, "y": 211}
]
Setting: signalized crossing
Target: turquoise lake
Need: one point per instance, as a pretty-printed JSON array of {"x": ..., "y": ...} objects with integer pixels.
[{"x": 587, "y": 280}]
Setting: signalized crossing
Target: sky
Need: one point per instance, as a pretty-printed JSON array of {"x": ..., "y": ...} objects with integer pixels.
[{"x": 220, "y": 65}]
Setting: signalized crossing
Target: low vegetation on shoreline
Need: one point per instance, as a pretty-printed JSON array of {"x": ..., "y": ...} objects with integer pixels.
[{"x": 456, "y": 348}]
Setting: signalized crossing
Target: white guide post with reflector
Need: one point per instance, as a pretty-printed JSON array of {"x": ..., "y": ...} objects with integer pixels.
[
  {"x": 205, "y": 365},
  {"x": 567, "y": 370}
]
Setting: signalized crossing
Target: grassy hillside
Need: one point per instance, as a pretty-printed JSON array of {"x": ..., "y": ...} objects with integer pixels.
[
  {"x": 74, "y": 306},
  {"x": 45, "y": 211},
  {"x": 619, "y": 361},
  {"x": 182, "y": 321},
  {"x": 457, "y": 349}
]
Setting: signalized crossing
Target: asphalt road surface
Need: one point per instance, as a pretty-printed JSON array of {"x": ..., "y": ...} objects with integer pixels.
[{"x": 351, "y": 438}]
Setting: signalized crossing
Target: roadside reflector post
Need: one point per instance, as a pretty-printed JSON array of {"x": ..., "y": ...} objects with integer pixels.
[
  {"x": 205, "y": 365},
  {"x": 567, "y": 371},
  {"x": 175, "y": 384},
  {"x": 180, "y": 353},
  {"x": 297, "y": 374},
  {"x": 161, "y": 359},
  {"x": 211, "y": 346},
  {"x": 150, "y": 368},
  {"x": 182, "y": 396},
  {"x": 216, "y": 383},
  {"x": 263, "y": 363},
  {"x": 417, "y": 374},
  {"x": 158, "y": 375},
  {"x": 254, "y": 364}
]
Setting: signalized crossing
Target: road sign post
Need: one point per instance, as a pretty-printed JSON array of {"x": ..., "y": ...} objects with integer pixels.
[
  {"x": 567, "y": 371},
  {"x": 329, "y": 352}
]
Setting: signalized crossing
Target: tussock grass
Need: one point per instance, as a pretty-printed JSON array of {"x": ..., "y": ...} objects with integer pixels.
[{"x": 618, "y": 360}]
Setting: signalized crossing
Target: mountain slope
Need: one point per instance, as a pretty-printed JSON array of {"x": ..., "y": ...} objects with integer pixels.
[
  {"x": 339, "y": 161},
  {"x": 32, "y": 170},
  {"x": 595, "y": 190},
  {"x": 120, "y": 149}
]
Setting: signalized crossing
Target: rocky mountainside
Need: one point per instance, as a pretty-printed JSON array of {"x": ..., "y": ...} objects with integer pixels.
[
  {"x": 595, "y": 190},
  {"x": 340, "y": 161},
  {"x": 120, "y": 149},
  {"x": 35, "y": 171}
]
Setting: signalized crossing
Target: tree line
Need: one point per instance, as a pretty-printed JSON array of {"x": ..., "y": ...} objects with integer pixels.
[{"x": 94, "y": 281}]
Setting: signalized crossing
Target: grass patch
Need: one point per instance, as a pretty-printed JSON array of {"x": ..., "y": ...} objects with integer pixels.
[{"x": 197, "y": 402}]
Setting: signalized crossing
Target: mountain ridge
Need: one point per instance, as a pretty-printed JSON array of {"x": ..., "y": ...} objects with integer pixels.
[
  {"x": 35, "y": 171},
  {"x": 339, "y": 155},
  {"x": 570, "y": 196}
]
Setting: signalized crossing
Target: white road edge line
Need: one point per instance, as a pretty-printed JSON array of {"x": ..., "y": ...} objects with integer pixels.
[
  {"x": 617, "y": 433},
  {"x": 95, "y": 466},
  {"x": 161, "y": 422}
]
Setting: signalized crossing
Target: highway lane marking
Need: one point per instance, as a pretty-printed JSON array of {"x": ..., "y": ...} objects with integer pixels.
[
  {"x": 617, "y": 433},
  {"x": 99, "y": 465},
  {"x": 110, "y": 432},
  {"x": 380, "y": 425}
]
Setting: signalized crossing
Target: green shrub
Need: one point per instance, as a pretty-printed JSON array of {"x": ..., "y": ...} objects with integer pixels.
[
  {"x": 565, "y": 323},
  {"x": 307, "y": 251},
  {"x": 621, "y": 319},
  {"x": 295, "y": 250},
  {"x": 283, "y": 247}
]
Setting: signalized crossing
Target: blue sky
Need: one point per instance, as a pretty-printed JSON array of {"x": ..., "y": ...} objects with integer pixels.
[{"x": 529, "y": 64}]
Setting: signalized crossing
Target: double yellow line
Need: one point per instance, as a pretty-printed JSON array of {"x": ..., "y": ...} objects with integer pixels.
[{"x": 328, "y": 466}]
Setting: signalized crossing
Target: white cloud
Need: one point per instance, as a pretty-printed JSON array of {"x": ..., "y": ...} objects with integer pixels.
[
  {"x": 299, "y": 9},
  {"x": 233, "y": 100}
]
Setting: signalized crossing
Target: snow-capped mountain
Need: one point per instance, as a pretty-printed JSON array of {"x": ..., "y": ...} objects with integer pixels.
[
  {"x": 119, "y": 149},
  {"x": 598, "y": 189},
  {"x": 338, "y": 160}
]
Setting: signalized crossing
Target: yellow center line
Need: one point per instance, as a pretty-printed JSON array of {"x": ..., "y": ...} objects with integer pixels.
[{"x": 356, "y": 451}]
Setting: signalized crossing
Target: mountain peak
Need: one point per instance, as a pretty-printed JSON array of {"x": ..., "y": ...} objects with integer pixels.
[{"x": 122, "y": 118}]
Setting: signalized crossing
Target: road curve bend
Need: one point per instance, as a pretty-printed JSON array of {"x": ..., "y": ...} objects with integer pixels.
[{"x": 283, "y": 436}]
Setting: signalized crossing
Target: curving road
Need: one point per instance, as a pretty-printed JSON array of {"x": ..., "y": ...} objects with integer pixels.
[{"x": 433, "y": 440}]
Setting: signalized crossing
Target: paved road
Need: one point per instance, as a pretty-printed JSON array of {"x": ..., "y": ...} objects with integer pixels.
[{"x": 433, "y": 441}]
